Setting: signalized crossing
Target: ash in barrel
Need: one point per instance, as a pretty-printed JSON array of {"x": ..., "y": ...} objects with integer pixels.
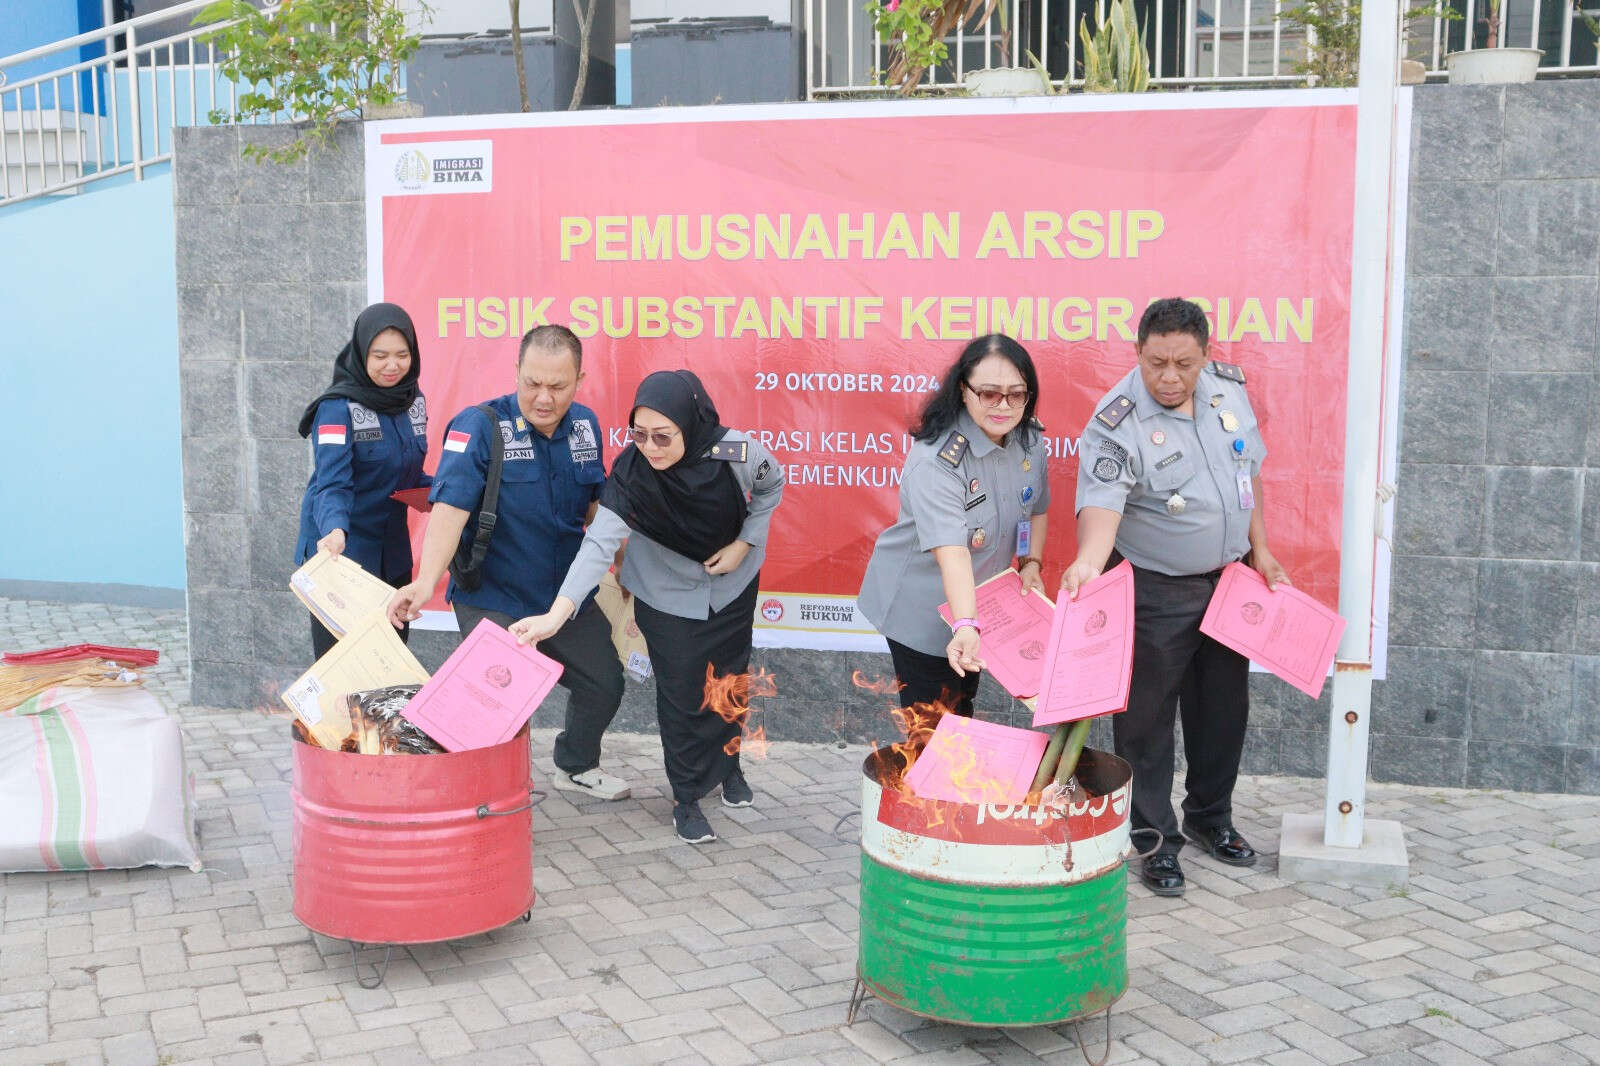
[{"x": 378, "y": 725}]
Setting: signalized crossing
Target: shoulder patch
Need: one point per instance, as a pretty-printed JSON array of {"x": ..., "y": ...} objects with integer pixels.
[
  {"x": 1112, "y": 414},
  {"x": 1228, "y": 371},
  {"x": 731, "y": 451},
  {"x": 955, "y": 448}
]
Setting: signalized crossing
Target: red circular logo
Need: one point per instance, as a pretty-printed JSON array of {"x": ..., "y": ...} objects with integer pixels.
[{"x": 772, "y": 610}]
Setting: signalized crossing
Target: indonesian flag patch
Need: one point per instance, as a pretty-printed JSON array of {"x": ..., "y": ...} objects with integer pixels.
[
  {"x": 456, "y": 441},
  {"x": 332, "y": 434}
]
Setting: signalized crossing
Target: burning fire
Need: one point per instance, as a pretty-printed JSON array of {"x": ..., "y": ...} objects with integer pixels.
[
  {"x": 916, "y": 724},
  {"x": 729, "y": 696}
]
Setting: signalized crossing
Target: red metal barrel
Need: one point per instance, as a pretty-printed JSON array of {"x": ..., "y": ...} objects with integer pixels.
[{"x": 408, "y": 849}]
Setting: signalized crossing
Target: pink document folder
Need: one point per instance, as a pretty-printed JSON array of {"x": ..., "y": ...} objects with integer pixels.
[
  {"x": 1090, "y": 658},
  {"x": 1015, "y": 631},
  {"x": 488, "y": 688},
  {"x": 971, "y": 761},
  {"x": 1284, "y": 630}
]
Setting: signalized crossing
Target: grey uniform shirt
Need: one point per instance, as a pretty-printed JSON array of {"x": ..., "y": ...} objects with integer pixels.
[
  {"x": 667, "y": 581},
  {"x": 973, "y": 495},
  {"x": 1135, "y": 455}
]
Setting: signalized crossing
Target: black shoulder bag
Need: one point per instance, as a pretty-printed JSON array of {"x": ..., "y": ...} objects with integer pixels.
[{"x": 467, "y": 565}]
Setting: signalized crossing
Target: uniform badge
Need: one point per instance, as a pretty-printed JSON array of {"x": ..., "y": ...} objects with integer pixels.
[
  {"x": 1027, "y": 494},
  {"x": 1176, "y": 504},
  {"x": 1112, "y": 414},
  {"x": 955, "y": 449},
  {"x": 972, "y": 486},
  {"x": 1107, "y": 469},
  {"x": 979, "y": 537},
  {"x": 1027, "y": 465},
  {"x": 1158, "y": 438},
  {"x": 1230, "y": 422},
  {"x": 522, "y": 427},
  {"x": 1216, "y": 400}
]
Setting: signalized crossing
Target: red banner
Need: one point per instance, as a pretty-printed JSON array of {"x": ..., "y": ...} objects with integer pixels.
[{"x": 820, "y": 266}]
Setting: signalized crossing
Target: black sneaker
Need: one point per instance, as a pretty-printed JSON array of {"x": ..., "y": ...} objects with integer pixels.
[
  {"x": 736, "y": 791},
  {"x": 691, "y": 824}
]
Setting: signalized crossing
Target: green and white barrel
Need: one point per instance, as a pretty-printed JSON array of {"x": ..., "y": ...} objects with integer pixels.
[{"x": 996, "y": 915}]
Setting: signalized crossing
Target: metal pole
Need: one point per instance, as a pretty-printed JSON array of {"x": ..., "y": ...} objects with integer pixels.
[
  {"x": 135, "y": 118},
  {"x": 1344, "y": 811}
]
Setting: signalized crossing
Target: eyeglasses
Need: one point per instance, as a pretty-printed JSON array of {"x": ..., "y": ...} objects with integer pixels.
[
  {"x": 994, "y": 397},
  {"x": 661, "y": 438}
]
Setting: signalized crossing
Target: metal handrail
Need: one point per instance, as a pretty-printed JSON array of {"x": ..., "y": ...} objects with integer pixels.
[
  {"x": 1249, "y": 43},
  {"x": 125, "y": 125}
]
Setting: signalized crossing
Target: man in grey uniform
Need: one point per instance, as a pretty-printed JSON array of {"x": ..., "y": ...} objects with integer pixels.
[{"x": 1169, "y": 479}]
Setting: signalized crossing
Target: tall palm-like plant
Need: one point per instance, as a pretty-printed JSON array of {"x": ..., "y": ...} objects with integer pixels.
[{"x": 1114, "y": 57}]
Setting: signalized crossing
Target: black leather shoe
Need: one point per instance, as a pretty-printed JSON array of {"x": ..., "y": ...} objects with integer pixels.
[
  {"x": 1224, "y": 843},
  {"x": 1163, "y": 875}
]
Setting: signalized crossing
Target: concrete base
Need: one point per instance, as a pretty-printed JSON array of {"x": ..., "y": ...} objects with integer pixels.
[{"x": 1380, "y": 860}]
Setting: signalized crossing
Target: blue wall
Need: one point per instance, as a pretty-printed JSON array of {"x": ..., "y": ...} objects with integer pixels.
[{"x": 91, "y": 481}]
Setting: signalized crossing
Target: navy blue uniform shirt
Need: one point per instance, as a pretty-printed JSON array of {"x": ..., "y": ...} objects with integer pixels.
[
  {"x": 546, "y": 486},
  {"x": 361, "y": 457}
]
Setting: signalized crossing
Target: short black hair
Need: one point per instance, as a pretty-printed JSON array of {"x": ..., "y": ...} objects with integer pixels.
[
  {"x": 1175, "y": 315},
  {"x": 946, "y": 405},
  {"x": 552, "y": 338}
]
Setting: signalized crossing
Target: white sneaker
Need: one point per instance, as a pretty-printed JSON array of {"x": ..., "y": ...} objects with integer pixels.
[{"x": 594, "y": 782}]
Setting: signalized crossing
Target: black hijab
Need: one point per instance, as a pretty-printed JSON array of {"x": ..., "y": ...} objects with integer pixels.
[
  {"x": 695, "y": 506},
  {"x": 350, "y": 378}
]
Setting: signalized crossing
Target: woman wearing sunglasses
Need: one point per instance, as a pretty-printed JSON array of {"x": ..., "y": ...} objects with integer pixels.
[
  {"x": 973, "y": 496},
  {"x": 693, "y": 500}
]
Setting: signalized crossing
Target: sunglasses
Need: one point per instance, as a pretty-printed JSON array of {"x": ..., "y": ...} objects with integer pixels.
[
  {"x": 661, "y": 438},
  {"x": 994, "y": 397}
]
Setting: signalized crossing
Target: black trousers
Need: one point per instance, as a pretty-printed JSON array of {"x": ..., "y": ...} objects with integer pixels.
[
  {"x": 590, "y": 673},
  {"x": 322, "y": 641},
  {"x": 693, "y": 739},
  {"x": 1177, "y": 669},
  {"x": 928, "y": 678}
]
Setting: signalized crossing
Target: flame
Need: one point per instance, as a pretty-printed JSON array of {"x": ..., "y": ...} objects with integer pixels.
[
  {"x": 916, "y": 724},
  {"x": 728, "y": 697}
]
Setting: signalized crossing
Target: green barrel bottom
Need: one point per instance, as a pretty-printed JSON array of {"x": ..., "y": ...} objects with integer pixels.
[{"x": 987, "y": 955}]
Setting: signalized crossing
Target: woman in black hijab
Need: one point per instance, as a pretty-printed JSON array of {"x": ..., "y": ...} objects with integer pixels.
[
  {"x": 370, "y": 435},
  {"x": 693, "y": 500}
]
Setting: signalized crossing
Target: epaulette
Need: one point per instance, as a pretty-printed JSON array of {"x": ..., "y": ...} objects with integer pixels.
[
  {"x": 1228, "y": 371},
  {"x": 955, "y": 448},
  {"x": 1112, "y": 414},
  {"x": 731, "y": 451}
]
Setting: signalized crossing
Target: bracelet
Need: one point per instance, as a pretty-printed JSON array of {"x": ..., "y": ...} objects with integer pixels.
[
  {"x": 959, "y": 622},
  {"x": 1024, "y": 560}
]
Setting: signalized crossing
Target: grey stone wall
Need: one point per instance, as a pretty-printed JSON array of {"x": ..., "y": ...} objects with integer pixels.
[
  {"x": 1494, "y": 653},
  {"x": 1493, "y": 644},
  {"x": 271, "y": 274}
]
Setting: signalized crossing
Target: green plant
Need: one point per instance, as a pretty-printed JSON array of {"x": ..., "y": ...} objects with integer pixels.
[
  {"x": 1589, "y": 21},
  {"x": 1114, "y": 57},
  {"x": 309, "y": 62},
  {"x": 1335, "y": 26},
  {"x": 916, "y": 30}
]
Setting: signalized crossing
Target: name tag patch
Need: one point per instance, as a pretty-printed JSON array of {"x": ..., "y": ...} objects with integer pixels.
[
  {"x": 582, "y": 442},
  {"x": 364, "y": 420},
  {"x": 1169, "y": 460},
  {"x": 976, "y": 500}
]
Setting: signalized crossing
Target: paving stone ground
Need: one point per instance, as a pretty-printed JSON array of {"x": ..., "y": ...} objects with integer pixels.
[{"x": 644, "y": 950}]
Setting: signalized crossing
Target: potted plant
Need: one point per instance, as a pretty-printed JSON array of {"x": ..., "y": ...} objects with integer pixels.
[
  {"x": 311, "y": 63},
  {"x": 1114, "y": 57},
  {"x": 1492, "y": 64}
]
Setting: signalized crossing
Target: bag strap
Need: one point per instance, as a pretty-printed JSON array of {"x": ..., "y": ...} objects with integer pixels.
[{"x": 491, "y": 491}]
